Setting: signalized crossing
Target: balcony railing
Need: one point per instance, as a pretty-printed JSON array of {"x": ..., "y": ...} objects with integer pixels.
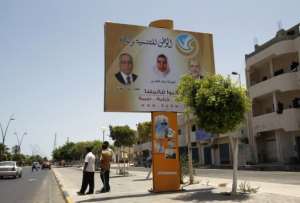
[
  {"x": 288, "y": 120},
  {"x": 284, "y": 82}
]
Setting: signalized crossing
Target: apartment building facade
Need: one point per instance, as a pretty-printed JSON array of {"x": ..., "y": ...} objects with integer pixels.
[{"x": 273, "y": 82}]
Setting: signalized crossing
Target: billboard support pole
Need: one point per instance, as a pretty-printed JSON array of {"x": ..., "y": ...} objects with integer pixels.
[{"x": 166, "y": 24}]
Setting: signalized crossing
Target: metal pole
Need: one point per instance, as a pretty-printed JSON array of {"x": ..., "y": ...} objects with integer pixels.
[
  {"x": 236, "y": 73},
  {"x": 5, "y": 131},
  {"x": 235, "y": 146},
  {"x": 240, "y": 80},
  {"x": 103, "y": 135}
]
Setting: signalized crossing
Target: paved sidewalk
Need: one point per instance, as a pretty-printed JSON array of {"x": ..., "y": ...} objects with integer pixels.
[{"x": 134, "y": 188}]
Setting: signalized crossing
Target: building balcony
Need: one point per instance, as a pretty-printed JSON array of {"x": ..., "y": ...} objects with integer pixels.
[
  {"x": 277, "y": 48},
  {"x": 288, "y": 120},
  {"x": 284, "y": 82}
]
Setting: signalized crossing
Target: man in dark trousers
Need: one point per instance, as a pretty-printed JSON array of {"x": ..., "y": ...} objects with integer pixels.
[
  {"x": 106, "y": 157},
  {"x": 88, "y": 173}
]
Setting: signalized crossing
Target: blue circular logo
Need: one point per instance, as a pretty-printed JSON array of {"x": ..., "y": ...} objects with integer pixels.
[{"x": 186, "y": 44}]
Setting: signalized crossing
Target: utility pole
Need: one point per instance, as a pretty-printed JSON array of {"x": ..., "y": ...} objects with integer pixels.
[
  {"x": 103, "y": 132},
  {"x": 234, "y": 141},
  {"x": 3, "y": 132},
  {"x": 54, "y": 144}
]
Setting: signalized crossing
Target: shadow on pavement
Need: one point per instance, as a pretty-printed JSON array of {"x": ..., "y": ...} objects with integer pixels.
[
  {"x": 142, "y": 179},
  {"x": 205, "y": 190},
  {"x": 118, "y": 176},
  {"x": 204, "y": 196}
]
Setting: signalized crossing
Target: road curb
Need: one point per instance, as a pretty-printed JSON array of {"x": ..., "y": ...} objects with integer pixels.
[{"x": 65, "y": 193}]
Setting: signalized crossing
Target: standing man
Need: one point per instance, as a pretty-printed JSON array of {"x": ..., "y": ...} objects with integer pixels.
[
  {"x": 125, "y": 75},
  {"x": 88, "y": 173},
  {"x": 105, "y": 160}
]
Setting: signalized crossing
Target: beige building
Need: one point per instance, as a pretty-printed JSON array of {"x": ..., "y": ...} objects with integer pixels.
[
  {"x": 213, "y": 150},
  {"x": 273, "y": 82},
  {"x": 207, "y": 150}
]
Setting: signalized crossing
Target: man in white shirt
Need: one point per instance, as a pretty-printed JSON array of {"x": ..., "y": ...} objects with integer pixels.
[
  {"x": 88, "y": 173},
  {"x": 125, "y": 75}
]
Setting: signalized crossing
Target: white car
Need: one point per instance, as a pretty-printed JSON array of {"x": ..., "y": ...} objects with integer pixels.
[{"x": 10, "y": 168}]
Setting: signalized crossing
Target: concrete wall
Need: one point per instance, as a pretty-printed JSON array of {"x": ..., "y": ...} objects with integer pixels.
[{"x": 286, "y": 146}]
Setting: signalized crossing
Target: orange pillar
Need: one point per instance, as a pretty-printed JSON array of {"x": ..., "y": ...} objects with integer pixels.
[{"x": 165, "y": 153}]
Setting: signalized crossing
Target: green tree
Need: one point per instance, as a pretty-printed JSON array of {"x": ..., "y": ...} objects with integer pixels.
[
  {"x": 186, "y": 90},
  {"x": 144, "y": 131},
  {"x": 19, "y": 158},
  {"x": 219, "y": 106},
  {"x": 4, "y": 155},
  {"x": 75, "y": 151},
  {"x": 15, "y": 149},
  {"x": 122, "y": 135}
]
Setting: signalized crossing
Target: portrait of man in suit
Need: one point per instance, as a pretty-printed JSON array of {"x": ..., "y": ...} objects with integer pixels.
[{"x": 125, "y": 75}]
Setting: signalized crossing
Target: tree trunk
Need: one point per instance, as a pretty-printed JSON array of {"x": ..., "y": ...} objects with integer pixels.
[
  {"x": 235, "y": 149},
  {"x": 124, "y": 161},
  {"x": 188, "y": 140},
  {"x": 118, "y": 160}
]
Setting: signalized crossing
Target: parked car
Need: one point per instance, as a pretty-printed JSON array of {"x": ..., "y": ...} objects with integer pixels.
[
  {"x": 10, "y": 168},
  {"x": 46, "y": 164}
]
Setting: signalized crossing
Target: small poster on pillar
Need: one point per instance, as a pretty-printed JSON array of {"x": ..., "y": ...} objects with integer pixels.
[{"x": 166, "y": 173}]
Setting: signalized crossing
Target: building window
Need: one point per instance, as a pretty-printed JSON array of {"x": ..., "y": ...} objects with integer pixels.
[{"x": 193, "y": 128}]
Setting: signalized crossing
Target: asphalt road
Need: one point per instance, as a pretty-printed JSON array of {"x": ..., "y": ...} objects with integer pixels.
[
  {"x": 33, "y": 187},
  {"x": 281, "y": 177}
]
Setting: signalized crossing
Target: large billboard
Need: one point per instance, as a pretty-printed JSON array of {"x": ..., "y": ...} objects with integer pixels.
[{"x": 143, "y": 66}]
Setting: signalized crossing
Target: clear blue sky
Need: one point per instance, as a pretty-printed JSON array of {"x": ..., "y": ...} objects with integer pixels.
[{"x": 52, "y": 59}]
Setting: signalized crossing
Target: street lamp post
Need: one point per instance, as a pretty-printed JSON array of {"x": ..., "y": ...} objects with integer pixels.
[
  {"x": 3, "y": 132},
  {"x": 103, "y": 132},
  {"x": 236, "y": 73},
  {"x": 235, "y": 146},
  {"x": 20, "y": 140}
]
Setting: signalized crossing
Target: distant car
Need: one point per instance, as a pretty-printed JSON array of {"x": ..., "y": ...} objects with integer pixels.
[
  {"x": 46, "y": 164},
  {"x": 10, "y": 168},
  {"x": 35, "y": 166}
]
